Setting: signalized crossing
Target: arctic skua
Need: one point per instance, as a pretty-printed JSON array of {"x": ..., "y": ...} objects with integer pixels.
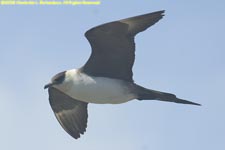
[{"x": 107, "y": 76}]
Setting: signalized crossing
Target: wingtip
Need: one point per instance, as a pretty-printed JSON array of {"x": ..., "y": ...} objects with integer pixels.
[
  {"x": 162, "y": 12},
  {"x": 159, "y": 12}
]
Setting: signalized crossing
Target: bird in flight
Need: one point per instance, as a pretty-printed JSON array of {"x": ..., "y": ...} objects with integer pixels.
[{"x": 107, "y": 76}]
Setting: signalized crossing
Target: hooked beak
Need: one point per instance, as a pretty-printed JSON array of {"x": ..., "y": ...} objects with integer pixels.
[{"x": 48, "y": 85}]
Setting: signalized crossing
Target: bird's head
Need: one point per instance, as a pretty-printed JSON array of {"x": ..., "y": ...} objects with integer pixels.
[{"x": 58, "y": 79}]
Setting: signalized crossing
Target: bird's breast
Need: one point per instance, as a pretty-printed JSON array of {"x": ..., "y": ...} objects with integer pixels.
[{"x": 100, "y": 90}]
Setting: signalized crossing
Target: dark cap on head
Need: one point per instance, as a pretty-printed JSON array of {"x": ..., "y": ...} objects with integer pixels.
[{"x": 57, "y": 79}]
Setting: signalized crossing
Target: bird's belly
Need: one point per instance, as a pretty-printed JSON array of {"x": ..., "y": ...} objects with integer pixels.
[{"x": 101, "y": 90}]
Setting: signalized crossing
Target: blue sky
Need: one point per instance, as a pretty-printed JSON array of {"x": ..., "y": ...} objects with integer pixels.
[{"x": 183, "y": 54}]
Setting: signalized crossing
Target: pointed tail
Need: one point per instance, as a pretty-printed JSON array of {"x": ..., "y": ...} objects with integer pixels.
[{"x": 147, "y": 94}]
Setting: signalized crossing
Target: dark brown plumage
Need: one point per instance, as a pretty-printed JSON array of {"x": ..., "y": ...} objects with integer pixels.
[
  {"x": 113, "y": 47},
  {"x": 71, "y": 114}
]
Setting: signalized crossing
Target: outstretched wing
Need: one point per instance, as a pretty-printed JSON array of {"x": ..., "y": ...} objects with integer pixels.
[
  {"x": 113, "y": 47},
  {"x": 71, "y": 114}
]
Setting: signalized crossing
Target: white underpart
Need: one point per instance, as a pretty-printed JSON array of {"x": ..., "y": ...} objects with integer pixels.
[{"x": 98, "y": 90}]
